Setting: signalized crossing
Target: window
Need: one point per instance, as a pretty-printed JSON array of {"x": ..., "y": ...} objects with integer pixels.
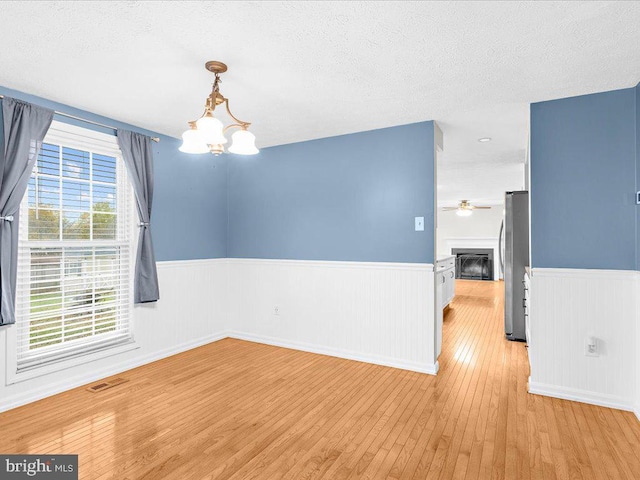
[{"x": 74, "y": 282}]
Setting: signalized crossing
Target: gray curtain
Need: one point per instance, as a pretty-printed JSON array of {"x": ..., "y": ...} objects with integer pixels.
[
  {"x": 136, "y": 150},
  {"x": 24, "y": 127}
]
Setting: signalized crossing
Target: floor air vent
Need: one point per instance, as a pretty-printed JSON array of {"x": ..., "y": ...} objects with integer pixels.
[{"x": 99, "y": 387}]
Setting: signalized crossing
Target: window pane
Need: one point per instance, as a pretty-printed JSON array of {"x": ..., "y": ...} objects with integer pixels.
[
  {"x": 78, "y": 325},
  {"x": 104, "y": 168},
  {"x": 78, "y": 278},
  {"x": 75, "y": 196},
  {"x": 44, "y": 224},
  {"x": 106, "y": 271},
  {"x": 73, "y": 294},
  {"x": 107, "y": 279},
  {"x": 49, "y": 160},
  {"x": 46, "y": 299},
  {"x": 47, "y": 193},
  {"x": 76, "y": 226},
  {"x": 104, "y": 198},
  {"x": 104, "y": 226},
  {"x": 75, "y": 163}
]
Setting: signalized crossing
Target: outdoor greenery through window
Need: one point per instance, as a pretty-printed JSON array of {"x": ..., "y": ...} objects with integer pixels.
[{"x": 74, "y": 286}]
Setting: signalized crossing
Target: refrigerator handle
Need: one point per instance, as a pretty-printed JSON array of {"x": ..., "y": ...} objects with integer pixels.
[{"x": 500, "y": 247}]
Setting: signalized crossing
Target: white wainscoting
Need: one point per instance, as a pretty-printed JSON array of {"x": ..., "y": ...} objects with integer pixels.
[
  {"x": 567, "y": 306},
  {"x": 373, "y": 312},
  {"x": 192, "y": 311}
]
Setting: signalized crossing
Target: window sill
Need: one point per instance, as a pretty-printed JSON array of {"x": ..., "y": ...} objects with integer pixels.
[{"x": 14, "y": 376}]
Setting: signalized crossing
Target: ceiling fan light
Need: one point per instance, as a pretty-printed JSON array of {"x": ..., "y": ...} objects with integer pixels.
[
  {"x": 464, "y": 212},
  {"x": 211, "y": 129},
  {"x": 243, "y": 142},
  {"x": 192, "y": 142}
]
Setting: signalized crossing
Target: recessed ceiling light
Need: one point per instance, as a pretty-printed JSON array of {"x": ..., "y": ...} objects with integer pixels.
[{"x": 484, "y": 139}]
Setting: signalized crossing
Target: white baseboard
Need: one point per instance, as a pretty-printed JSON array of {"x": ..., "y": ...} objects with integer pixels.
[
  {"x": 637, "y": 412},
  {"x": 49, "y": 389},
  {"x": 306, "y": 347},
  {"x": 592, "y": 398}
]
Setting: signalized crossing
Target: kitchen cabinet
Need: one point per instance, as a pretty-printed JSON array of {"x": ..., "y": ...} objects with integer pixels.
[
  {"x": 445, "y": 277},
  {"x": 527, "y": 309},
  {"x": 448, "y": 286}
]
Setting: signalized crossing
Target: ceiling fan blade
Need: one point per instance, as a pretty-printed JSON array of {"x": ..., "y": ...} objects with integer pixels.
[
  {"x": 482, "y": 208},
  {"x": 449, "y": 208}
]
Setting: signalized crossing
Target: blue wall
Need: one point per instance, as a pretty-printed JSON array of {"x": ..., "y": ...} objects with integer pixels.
[
  {"x": 189, "y": 219},
  {"x": 583, "y": 179},
  {"x": 352, "y": 197}
]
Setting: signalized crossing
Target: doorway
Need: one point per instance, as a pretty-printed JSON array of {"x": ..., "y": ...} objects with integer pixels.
[{"x": 482, "y": 160}]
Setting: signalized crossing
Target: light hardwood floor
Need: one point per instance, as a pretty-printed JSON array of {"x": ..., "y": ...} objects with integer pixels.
[{"x": 240, "y": 410}]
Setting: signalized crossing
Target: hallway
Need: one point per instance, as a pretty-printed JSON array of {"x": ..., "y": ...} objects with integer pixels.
[{"x": 495, "y": 425}]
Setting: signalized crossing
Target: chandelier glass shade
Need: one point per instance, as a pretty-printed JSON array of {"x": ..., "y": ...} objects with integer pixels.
[
  {"x": 207, "y": 134},
  {"x": 243, "y": 143}
]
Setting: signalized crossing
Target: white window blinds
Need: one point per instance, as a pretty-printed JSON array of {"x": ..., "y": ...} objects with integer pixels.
[{"x": 74, "y": 278}]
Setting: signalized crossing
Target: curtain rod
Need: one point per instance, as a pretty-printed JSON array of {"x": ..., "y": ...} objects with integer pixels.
[{"x": 155, "y": 139}]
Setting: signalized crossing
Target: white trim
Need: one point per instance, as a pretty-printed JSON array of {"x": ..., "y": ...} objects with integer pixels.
[
  {"x": 583, "y": 273},
  {"x": 427, "y": 267},
  {"x": 584, "y": 396},
  {"x": 332, "y": 352},
  {"x": 195, "y": 262},
  {"x": 435, "y": 316},
  {"x": 53, "y": 389},
  {"x": 14, "y": 376},
  {"x": 80, "y": 137}
]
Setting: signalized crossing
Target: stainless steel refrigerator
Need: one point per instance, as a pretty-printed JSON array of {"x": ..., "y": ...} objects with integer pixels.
[{"x": 515, "y": 235}]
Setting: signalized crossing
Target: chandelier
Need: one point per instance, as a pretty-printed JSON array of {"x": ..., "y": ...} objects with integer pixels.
[{"x": 207, "y": 133}]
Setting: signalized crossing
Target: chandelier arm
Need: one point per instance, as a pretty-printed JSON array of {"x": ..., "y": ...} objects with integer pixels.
[
  {"x": 235, "y": 125},
  {"x": 243, "y": 125}
]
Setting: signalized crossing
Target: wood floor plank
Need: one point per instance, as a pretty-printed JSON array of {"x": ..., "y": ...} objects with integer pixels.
[{"x": 238, "y": 410}]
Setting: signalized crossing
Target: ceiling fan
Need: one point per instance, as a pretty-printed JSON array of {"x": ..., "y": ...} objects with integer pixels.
[{"x": 464, "y": 208}]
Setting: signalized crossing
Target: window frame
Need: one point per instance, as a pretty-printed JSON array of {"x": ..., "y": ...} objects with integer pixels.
[{"x": 81, "y": 138}]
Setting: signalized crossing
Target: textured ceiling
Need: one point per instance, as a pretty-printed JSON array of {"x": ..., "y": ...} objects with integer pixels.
[{"x": 303, "y": 70}]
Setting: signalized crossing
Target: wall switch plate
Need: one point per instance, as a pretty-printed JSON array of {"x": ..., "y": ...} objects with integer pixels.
[
  {"x": 419, "y": 224},
  {"x": 591, "y": 347},
  {"x": 276, "y": 310}
]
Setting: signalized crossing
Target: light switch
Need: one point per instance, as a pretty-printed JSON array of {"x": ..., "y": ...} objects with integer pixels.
[{"x": 419, "y": 224}]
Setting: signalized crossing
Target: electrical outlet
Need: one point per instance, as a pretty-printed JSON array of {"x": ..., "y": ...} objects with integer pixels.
[
  {"x": 276, "y": 310},
  {"x": 591, "y": 347}
]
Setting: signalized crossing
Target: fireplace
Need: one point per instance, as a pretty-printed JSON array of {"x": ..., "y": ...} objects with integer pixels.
[{"x": 474, "y": 263}]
